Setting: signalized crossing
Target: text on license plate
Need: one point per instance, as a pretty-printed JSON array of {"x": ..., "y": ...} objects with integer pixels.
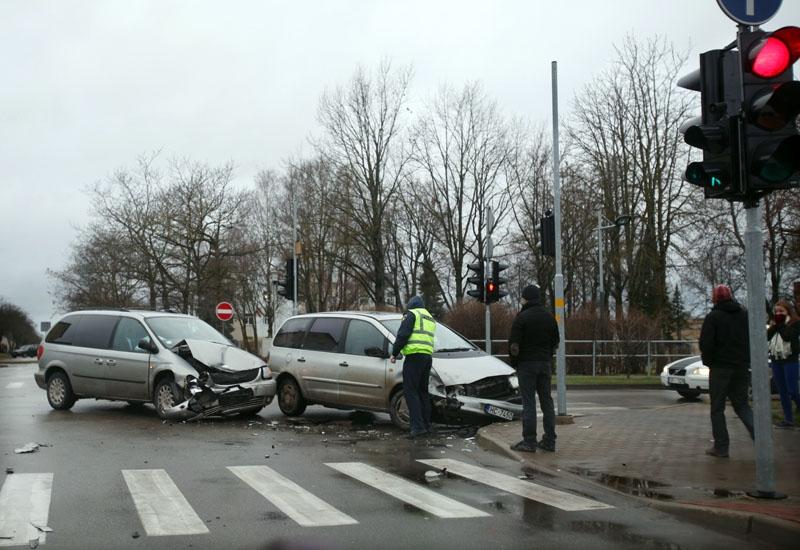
[
  {"x": 675, "y": 380},
  {"x": 497, "y": 411}
]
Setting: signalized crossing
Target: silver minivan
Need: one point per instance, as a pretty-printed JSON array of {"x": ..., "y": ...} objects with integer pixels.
[
  {"x": 340, "y": 360},
  {"x": 180, "y": 363}
]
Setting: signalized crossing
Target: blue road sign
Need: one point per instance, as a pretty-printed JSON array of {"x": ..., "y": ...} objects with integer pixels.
[{"x": 750, "y": 12}]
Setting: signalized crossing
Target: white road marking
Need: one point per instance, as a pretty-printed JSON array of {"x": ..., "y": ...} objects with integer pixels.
[
  {"x": 532, "y": 491},
  {"x": 162, "y": 507},
  {"x": 297, "y": 503},
  {"x": 408, "y": 492},
  {"x": 14, "y": 385},
  {"x": 24, "y": 500}
]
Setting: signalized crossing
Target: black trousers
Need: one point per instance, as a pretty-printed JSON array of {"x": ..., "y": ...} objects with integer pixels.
[
  {"x": 534, "y": 379},
  {"x": 416, "y": 374},
  {"x": 730, "y": 384}
]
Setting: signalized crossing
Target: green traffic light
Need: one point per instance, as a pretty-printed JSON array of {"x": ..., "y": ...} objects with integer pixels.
[{"x": 716, "y": 182}]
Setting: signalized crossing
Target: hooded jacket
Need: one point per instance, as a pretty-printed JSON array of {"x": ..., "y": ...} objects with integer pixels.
[
  {"x": 534, "y": 333},
  {"x": 724, "y": 338}
]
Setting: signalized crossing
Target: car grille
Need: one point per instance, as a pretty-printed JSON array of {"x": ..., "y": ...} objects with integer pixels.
[
  {"x": 678, "y": 371},
  {"x": 234, "y": 398},
  {"x": 240, "y": 377},
  {"x": 489, "y": 388}
]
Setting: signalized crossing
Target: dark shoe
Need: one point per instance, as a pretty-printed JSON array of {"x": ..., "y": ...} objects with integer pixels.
[
  {"x": 524, "y": 447},
  {"x": 545, "y": 446},
  {"x": 784, "y": 424},
  {"x": 719, "y": 453}
]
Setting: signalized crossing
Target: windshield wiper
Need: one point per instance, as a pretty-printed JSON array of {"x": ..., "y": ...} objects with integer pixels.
[{"x": 446, "y": 350}]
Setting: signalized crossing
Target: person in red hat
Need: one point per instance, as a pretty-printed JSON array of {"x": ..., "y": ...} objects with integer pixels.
[{"x": 725, "y": 350}]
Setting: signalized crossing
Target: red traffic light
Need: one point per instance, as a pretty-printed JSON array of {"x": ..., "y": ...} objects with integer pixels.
[
  {"x": 490, "y": 286},
  {"x": 775, "y": 53}
]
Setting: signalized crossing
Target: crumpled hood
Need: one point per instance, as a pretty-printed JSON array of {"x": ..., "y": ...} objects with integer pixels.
[
  {"x": 466, "y": 370},
  {"x": 221, "y": 356}
]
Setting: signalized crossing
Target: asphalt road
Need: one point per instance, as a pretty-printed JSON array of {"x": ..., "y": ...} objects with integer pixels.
[{"x": 123, "y": 479}]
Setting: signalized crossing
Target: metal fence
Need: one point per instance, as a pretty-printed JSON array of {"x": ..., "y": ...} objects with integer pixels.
[{"x": 610, "y": 356}]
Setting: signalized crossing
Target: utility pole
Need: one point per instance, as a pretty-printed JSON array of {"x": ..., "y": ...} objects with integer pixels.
[
  {"x": 294, "y": 253},
  {"x": 487, "y": 267},
  {"x": 561, "y": 360},
  {"x": 601, "y": 285}
]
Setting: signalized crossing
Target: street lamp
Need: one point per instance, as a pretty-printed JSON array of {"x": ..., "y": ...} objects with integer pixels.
[{"x": 619, "y": 222}]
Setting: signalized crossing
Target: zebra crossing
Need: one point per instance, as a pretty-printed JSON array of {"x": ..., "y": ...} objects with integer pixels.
[{"x": 163, "y": 510}]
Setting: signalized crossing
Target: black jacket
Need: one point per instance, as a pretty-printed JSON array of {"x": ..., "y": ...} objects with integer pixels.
[
  {"x": 534, "y": 334},
  {"x": 724, "y": 338},
  {"x": 790, "y": 333}
]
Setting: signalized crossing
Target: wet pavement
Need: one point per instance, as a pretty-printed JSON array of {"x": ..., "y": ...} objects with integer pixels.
[
  {"x": 658, "y": 454},
  {"x": 92, "y": 507}
]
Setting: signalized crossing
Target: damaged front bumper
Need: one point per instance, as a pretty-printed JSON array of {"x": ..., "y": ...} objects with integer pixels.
[
  {"x": 217, "y": 400},
  {"x": 452, "y": 407}
]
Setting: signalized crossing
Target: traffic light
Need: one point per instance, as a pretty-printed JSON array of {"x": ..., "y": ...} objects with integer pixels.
[
  {"x": 494, "y": 284},
  {"x": 286, "y": 286},
  {"x": 716, "y": 131},
  {"x": 547, "y": 233},
  {"x": 771, "y": 106},
  {"x": 477, "y": 280}
]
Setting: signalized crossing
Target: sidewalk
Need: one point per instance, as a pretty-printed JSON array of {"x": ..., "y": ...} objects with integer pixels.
[{"x": 658, "y": 454}]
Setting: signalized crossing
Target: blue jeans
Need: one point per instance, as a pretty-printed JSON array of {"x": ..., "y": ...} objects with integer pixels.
[
  {"x": 785, "y": 374},
  {"x": 416, "y": 373},
  {"x": 534, "y": 378}
]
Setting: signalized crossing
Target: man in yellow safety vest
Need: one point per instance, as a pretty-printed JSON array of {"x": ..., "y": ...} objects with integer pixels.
[{"x": 415, "y": 341}]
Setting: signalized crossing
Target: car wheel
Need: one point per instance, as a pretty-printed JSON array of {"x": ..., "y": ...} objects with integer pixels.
[
  {"x": 290, "y": 398},
  {"x": 165, "y": 396},
  {"x": 689, "y": 394},
  {"x": 398, "y": 410},
  {"x": 59, "y": 392}
]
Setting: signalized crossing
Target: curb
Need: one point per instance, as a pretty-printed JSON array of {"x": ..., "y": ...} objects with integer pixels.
[{"x": 775, "y": 531}]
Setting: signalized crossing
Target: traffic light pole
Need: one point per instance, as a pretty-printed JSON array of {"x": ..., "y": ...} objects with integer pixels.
[
  {"x": 487, "y": 268},
  {"x": 294, "y": 254},
  {"x": 561, "y": 364}
]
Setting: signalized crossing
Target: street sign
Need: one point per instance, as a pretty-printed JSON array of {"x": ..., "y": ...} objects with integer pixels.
[
  {"x": 224, "y": 311},
  {"x": 45, "y": 326},
  {"x": 750, "y": 12}
]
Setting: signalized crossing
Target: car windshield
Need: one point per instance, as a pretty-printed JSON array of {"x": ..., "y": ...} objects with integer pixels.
[
  {"x": 445, "y": 339},
  {"x": 171, "y": 330}
]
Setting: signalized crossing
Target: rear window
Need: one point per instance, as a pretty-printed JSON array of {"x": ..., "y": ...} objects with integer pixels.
[
  {"x": 291, "y": 333},
  {"x": 325, "y": 334},
  {"x": 64, "y": 331},
  {"x": 94, "y": 331}
]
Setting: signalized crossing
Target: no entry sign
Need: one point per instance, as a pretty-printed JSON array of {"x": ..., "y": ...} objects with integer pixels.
[{"x": 224, "y": 311}]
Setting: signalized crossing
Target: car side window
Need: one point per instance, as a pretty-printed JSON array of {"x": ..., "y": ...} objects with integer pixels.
[
  {"x": 362, "y": 336},
  {"x": 94, "y": 331},
  {"x": 127, "y": 336},
  {"x": 65, "y": 330},
  {"x": 292, "y": 333},
  {"x": 325, "y": 334}
]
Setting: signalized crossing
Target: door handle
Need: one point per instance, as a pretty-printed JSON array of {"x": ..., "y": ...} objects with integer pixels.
[
  {"x": 301, "y": 359},
  {"x": 343, "y": 364},
  {"x": 110, "y": 362},
  {"x": 99, "y": 361}
]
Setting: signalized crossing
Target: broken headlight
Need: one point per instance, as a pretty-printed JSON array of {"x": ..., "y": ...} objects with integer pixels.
[
  {"x": 513, "y": 381},
  {"x": 266, "y": 374},
  {"x": 456, "y": 390},
  {"x": 193, "y": 385}
]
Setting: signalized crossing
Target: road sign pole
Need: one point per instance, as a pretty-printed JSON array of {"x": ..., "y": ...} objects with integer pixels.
[
  {"x": 487, "y": 266},
  {"x": 561, "y": 364},
  {"x": 294, "y": 253}
]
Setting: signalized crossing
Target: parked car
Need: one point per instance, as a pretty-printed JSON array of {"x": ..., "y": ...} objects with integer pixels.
[
  {"x": 340, "y": 360},
  {"x": 25, "y": 351},
  {"x": 687, "y": 376},
  {"x": 180, "y": 363}
]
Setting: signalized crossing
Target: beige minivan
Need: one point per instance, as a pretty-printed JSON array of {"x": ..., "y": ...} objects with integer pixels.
[{"x": 340, "y": 360}]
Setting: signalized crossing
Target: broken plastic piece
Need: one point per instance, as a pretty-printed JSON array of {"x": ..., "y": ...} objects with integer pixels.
[{"x": 27, "y": 448}]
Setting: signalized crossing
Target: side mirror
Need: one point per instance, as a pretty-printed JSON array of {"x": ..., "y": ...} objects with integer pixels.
[
  {"x": 375, "y": 352},
  {"x": 148, "y": 345}
]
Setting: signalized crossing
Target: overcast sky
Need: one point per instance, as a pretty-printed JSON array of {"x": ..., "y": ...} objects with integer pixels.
[{"x": 89, "y": 86}]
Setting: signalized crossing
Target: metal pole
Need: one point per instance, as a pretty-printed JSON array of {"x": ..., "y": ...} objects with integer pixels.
[
  {"x": 487, "y": 266},
  {"x": 561, "y": 364},
  {"x": 594, "y": 357},
  {"x": 757, "y": 318},
  {"x": 601, "y": 284},
  {"x": 294, "y": 253}
]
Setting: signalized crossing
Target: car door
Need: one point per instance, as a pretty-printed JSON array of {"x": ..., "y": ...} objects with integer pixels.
[
  {"x": 318, "y": 361},
  {"x": 127, "y": 365},
  {"x": 87, "y": 362},
  {"x": 362, "y": 373}
]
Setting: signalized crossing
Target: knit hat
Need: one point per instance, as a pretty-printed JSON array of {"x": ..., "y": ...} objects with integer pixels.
[
  {"x": 531, "y": 293},
  {"x": 721, "y": 293}
]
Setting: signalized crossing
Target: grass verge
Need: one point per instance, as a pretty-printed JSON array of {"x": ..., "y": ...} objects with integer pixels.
[{"x": 611, "y": 379}]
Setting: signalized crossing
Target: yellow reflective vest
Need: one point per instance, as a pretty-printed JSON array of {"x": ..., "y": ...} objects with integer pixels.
[{"x": 421, "y": 339}]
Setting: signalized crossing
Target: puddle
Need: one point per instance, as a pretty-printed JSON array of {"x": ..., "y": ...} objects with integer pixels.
[
  {"x": 619, "y": 533},
  {"x": 630, "y": 485}
]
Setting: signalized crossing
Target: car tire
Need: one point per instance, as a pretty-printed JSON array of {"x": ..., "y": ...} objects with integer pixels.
[
  {"x": 59, "y": 392},
  {"x": 398, "y": 410},
  {"x": 290, "y": 398},
  {"x": 166, "y": 395},
  {"x": 689, "y": 394}
]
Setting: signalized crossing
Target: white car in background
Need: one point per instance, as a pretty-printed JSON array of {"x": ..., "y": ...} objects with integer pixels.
[{"x": 687, "y": 376}]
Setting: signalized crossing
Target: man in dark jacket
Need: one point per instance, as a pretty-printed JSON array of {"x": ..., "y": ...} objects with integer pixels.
[
  {"x": 725, "y": 350},
  {"x": 534, "y": 338}
]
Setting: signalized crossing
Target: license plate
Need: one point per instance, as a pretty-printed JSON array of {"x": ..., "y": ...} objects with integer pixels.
[
  {"x": 675, "y": 380},
  {"x": 497, "y": 411}
]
